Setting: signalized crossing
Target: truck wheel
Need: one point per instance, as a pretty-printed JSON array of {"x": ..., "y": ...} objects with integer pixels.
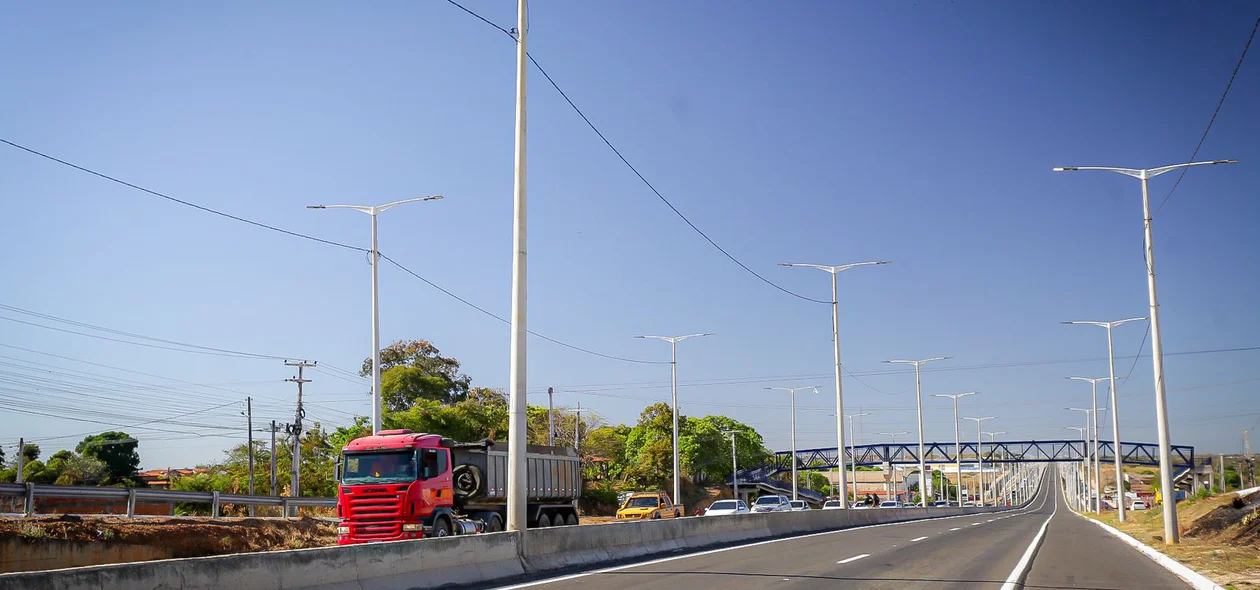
[
  {"x": 466, "y": 481},
  {"x": 441, "y": 527},
  {"x": 544, "y": 521},
  {"x": 494, "y": 524},
  {"x": 571, "y": 520},
  {"x": 656, "y": 516},
  {"x": 675, "y": 514}
]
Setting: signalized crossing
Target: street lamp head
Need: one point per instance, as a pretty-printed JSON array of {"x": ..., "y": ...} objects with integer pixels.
[
  {"x": 1066, "y": 169},
  {"x": 316, "y": 206},
  {"x": 1224, "y": 161}
]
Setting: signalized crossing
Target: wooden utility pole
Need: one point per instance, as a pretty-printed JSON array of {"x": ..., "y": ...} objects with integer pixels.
[
  {"x": 274, "y": 491},
  {"x": 249, "y": 445}
]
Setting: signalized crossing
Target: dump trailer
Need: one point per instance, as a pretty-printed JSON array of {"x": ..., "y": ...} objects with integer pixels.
[{"x": 399, "y": 484}]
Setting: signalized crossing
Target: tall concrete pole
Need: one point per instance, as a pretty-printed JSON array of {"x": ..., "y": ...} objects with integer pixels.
[{"x": 517, "y": 417}]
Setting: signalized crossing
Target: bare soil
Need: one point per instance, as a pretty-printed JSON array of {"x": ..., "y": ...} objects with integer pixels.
[{"x": 186, "y": 537}]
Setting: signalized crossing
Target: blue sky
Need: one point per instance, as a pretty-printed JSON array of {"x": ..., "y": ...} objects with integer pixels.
[{"x": 922, "y": 133}]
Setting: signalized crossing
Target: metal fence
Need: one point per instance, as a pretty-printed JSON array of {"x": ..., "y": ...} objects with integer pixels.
[{"x": 29, "y": 492}]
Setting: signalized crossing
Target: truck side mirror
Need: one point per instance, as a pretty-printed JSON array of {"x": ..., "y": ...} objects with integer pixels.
[{"x": 337, "y": 472}]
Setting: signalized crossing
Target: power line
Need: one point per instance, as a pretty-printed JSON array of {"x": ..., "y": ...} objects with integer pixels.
[
  {"x": 181, "y": 201},
  {"x": 504, "y": 320},
  {"x": 1215, "y": 112},
  {"x": 636, "y": 172},
  {"x": 283, "y": 231}
]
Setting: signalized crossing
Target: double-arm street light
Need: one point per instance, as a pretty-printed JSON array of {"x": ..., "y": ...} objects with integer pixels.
[
  {"x": 1093, "y": 381},
  {"x": 980, "y": 455},
  {"x": 835, "y": 339},
  {"x": 792, "y": 396},
  {"x": 1082, "y": 488},
  {"x": 373, "y": 211},
  {"x": 852, "y": 455},
  {"x": 957, "y": 441},
  {"x": 1115, "y": 408},
  {"x": 1171, "y": 534},
  {"x": 673, "y": 370},
  {"x": 924, "y": 489},
  {"x": 893, "y": 474},
  {"x": 992, "y": 439}
]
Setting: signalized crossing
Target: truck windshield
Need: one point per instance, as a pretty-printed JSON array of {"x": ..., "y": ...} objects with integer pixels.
[
  {"x": 652, "y": 502},
  {"x": 379, "y": 467}
]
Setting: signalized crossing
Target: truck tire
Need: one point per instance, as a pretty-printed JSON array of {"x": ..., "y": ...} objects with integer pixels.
[
  {"x": 495, "y": 525},
  {"x": 544, "y": 521},
  {"x": 441, "y": 527},
  {"x": 570, "y": 519},
  {"x": 675, "y": 514},
  {"x": 467, "y": 481}
]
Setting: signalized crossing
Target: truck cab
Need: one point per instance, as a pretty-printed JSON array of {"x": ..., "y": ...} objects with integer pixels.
[
  {"x": 398, "y": 485},
  {"x": 649, "y": 506}
]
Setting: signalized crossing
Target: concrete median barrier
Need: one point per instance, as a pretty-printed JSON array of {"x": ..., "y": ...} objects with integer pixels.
[{"x": 464, "y": 560}]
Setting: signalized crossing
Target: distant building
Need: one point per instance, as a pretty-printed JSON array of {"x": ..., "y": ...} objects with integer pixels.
[{"x": 161, "y": 478}]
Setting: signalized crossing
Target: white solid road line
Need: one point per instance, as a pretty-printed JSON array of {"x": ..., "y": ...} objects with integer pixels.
[
  {"x": 917, "y": 540},
  {"x": 854, "y": 558},
  {"x": 1013, "y": 580}
]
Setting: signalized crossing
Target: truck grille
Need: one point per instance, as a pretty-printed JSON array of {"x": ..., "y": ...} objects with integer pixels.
[{"x": 375, "y": 515}]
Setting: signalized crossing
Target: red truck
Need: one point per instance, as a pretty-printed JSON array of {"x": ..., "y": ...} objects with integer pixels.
[{"x": 404, "y": 485}]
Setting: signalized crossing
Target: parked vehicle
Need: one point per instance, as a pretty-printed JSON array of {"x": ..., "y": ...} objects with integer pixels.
[
  {"x": 798, "y": 506},
  {"x": 649, "y": 506},
  {"x": 403, "y": 485},
  {"x": 835, "y": 505},
  {"x": 773, "y": 503},
  {"x": 890, "y": 504},
  {"x": 725, "y": 507},
  {"x": 1137, "y": 505},
  {"x": 940, "y": 504}
]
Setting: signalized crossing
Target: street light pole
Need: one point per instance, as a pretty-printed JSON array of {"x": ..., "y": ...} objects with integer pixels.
[
  {"x": 373, "y": 211},
  {"x": 957, "y": 442},
  {"x": 1097, "y": 455},
  {"x": 894, "y": 436},
  {"x": 734, "y": 467},
  {"x": 1115, "y": 408},
  {"x": 673, "y": 370},
  {"x": 852, "y": 456},
  {"x": 992, "y": 439},
  {"x": 1091, "y": 472},
  {"x": 835, "y": 339},
  {"x": 924, "y": 488},
  {"x": 792, "y": 396},
  {"x": 1171, "y": 533},
  {"x": 518, "y": 414},
  {"x": 980, "y": 456},
  {"x": 1081, "y": 487}
]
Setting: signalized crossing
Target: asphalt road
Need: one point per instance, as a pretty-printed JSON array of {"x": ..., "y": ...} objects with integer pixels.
[{"x": 979, "y": 551}]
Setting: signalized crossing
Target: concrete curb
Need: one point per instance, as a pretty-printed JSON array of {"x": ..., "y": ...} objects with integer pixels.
[{"x": 1181, "y": 570}]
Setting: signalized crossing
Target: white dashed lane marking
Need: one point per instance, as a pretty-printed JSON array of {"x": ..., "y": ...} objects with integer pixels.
[
  {"x": 854, "y": 558},
  {"x": 956, "y": 529},
  {"x": 917, "y": 540}
]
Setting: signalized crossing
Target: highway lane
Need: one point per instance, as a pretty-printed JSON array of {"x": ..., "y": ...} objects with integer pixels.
[
  {"x": 1079, "y": 554},
  {"x": 978, "y": 551}
]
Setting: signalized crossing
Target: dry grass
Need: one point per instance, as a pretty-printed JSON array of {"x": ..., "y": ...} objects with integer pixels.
[{"x": 1228, "y": 564}]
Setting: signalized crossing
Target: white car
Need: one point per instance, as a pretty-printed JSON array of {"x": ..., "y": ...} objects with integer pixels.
[
  {"x": 832, "y": 505},
  {"x": 773, "y": 503},
  {"x": 1137, "y": 505},
  {"x": 724, "y": 507},
  {"x": 890, "y": 504},
  {"x": 798, "y": 506}
]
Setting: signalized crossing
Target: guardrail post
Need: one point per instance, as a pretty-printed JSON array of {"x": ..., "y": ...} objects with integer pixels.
[
  {"x": 284, "y": 507},
  {"x": 214, "y": 504},
  {"x": 131, "y": 502},
  {"x": 29, "y": 509}
]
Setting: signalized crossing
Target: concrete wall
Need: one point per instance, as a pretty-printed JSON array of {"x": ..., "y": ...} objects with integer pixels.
[
  {"x": 19, "y": 555},
  {"x": 433, "y": 563}
]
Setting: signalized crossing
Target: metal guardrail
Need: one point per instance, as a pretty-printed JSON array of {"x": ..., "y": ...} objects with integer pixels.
[{"x": 29, "y": 492}]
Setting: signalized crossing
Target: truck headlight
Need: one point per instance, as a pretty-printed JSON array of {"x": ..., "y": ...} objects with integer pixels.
[
  {"x": 411, "y": 528},
  {"x": 343, "y": 530}
]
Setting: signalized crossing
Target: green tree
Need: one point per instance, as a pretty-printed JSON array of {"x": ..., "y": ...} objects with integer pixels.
[
  {"x": 483, "y": 414},
  {"x": 117, "y": 450},
  {"x": 30, "y": 451},
  {"x": 77, "y": 470},
  {"x": 415, "y": 369},
  {"x": 650, "y": 449},
  {"x": 705, "y": 448}
]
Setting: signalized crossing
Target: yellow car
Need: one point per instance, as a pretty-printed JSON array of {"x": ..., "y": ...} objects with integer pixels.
[{"x": 649, "y": 506}]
